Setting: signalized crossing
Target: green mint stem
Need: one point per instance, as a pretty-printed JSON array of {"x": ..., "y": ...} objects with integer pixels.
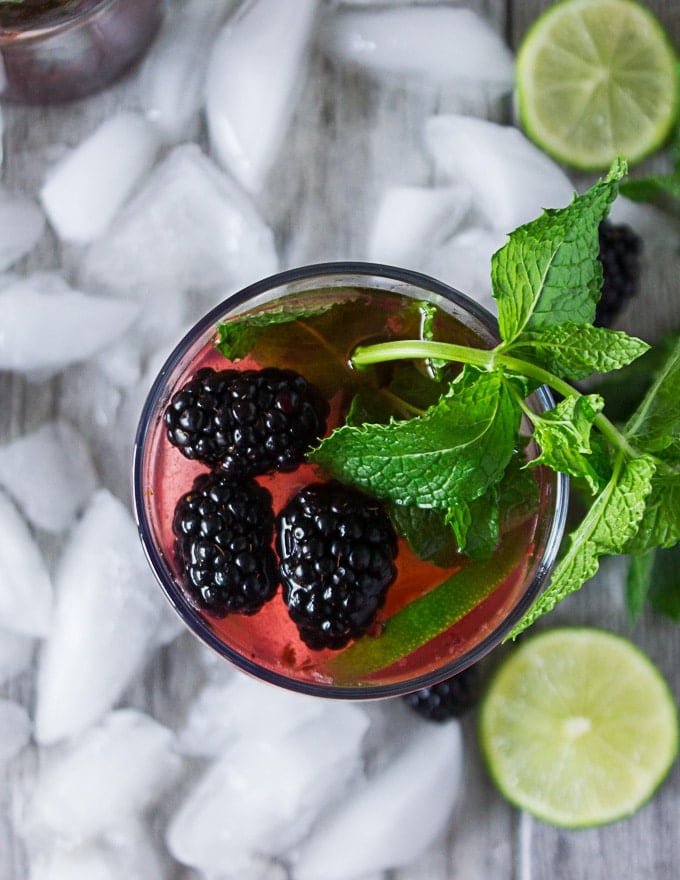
[
  {"x": 488, "y": 359},
  {"x": 421, "y": 349}
]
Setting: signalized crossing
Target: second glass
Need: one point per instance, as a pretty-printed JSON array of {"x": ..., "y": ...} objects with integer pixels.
[{"x": 56, "y": 51}]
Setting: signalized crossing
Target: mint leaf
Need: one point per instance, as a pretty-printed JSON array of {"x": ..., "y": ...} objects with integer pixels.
[
  {"x": 563, "y": 435},
  {"x": 410, "y": 384},
  {"x": 429, "y": 313},
  {"x": 638, "y": 580},
  {"x": 455, "y": 451},
  {"x": 655, "y": 425},
  {"x": 459, "y": 519},
  {"x": 236, "y": 338},
  {"x": 624, "y": 389},
  {"x": 664, "y": 586},
  {"x": 430, "y": 538},
  {"x": 576, "y": 351},
  {"x": 611, "y": 521},
  {"x": 649, "y": 189},
  {"x": 660, "y": 525},
  {"x": 483, "y": 531},
  {"x": 548, "y": 272},
  {"x": 508, "y": 505}
]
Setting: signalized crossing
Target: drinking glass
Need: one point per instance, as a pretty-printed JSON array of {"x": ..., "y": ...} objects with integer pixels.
[
  {"x": 55, "y": 51},
  {"x": 266, "y": 644}
]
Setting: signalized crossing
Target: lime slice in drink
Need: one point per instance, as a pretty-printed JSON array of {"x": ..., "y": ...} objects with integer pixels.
[
  {"x": 578, "y": 727},
  {"x": 595, "y": 80}
]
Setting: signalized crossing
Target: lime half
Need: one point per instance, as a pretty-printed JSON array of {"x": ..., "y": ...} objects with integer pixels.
[
  {"x": 596, "y": 79},
  {"x": 578, "y": 727}
]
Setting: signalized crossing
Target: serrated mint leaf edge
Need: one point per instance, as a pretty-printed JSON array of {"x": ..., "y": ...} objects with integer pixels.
[{"x": 594, "y": 537}]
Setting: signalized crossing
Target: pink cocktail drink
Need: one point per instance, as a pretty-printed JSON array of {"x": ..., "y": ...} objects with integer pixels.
[
  {"x": 57, "y": 50},
  {"x": 441, "y": 610}
]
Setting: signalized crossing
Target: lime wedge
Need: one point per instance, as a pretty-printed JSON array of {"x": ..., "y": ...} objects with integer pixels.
[
  {"x": 595, "y": 80},
  {"x": 578, "y": 727}
]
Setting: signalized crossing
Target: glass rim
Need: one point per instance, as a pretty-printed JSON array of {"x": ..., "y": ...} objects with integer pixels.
[
  {"x": 29, "y": 32},
  {"x": 326, "y": 271}
]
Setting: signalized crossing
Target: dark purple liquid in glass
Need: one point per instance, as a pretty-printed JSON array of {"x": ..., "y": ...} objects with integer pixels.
[{"x": 56, "y": 50}]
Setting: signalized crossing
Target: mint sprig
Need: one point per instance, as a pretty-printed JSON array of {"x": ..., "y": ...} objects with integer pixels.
[{"x": 546, "y": 281}]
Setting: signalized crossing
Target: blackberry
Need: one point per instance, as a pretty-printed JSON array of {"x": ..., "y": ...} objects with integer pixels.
[
  {"x": 620, "y": 252},
  {"x": 224, "y": 531},
  {"x": 337, "y": 548},
  {"x": 450, "y": 698},
  {"x": 248, "y": 422}
]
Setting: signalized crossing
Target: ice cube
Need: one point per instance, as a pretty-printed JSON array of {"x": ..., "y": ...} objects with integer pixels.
[
  {"x": 104, "y": 624},
  {"x": 16, "y": 653},
  {"x": 432, "y": 44},
  {"x": 411, "y": 220},
  {"x": 189, "y": 227},
  {"x": 50, "y": 474},
  {"x": 225, "y": 711},
  {"x": 124, "y": 854},
  {"x": 253, "y": 78},
  {"x": 511, "y": 179},
  {"x": 396, "y": 814},
  {"x": 172, "y": 79},
  {"x": 41, "y": 332},
  {"x": 92, "y": 402},
  {"x": 26, "y": 595},
  {"x": 252, "y": 867},
  {"x": 88, "y": 862},
  {"x": 85, "y": 189},
  {"x": 122, "y": 361},
  {"x": 21, "y": 226},
  {"x": 115, "y": 771},
  {"x": 464, "y": 262},
  {"x": 263, "y": 794},
  {"x": 15, "y": 729}
]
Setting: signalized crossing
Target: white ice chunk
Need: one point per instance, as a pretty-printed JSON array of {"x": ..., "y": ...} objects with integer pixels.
[
  {"x": 105, "y": 618},
  {"x": 83, "y": 191},
  {"x": 395, "y": 816},
  {"x": 16, "y": 653},
  {"x": 49, "y": 473},
  {"x": 21, "y": 226},
  {"x": 433, "y": 44},
  {"x": 411, "y": 220},
  {"x": 88, "y": 862},
  {"x": 223, "y": 712},
  {"x": 512, "y": 180},
  {"x": 253, "y": 77},
  {"x": 15, "y": 729},
  {"x": 464, "y": 262},
  {"x": 263, "y": 794},
  {"x": 126, "y": 854},
  {"x": 112, "y": 773},
  {"x": 26, "y": 595},
  {"x": 121, "y": 362},
  {"x": 188, "y": 228},
  {"x": 172, "y": 79},
  {"x": 253, "y": 867},
  {"x": 41, "y": 332}
]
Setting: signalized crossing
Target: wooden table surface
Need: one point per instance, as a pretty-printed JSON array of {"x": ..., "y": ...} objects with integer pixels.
[{"x": 350, "y": 138}]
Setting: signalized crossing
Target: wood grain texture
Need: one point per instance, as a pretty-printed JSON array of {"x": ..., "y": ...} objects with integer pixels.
[{"x": 350, "y": 138}]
